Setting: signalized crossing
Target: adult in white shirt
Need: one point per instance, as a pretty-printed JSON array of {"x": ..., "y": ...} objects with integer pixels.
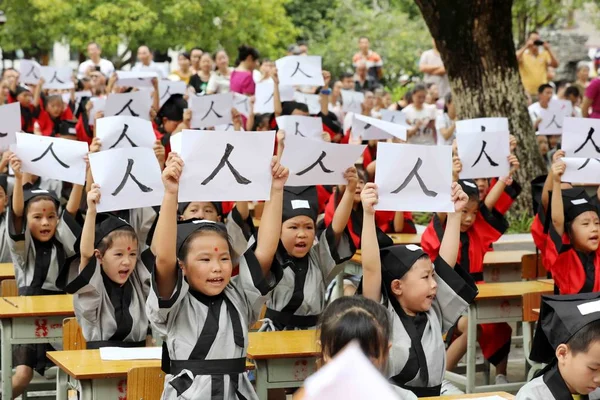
[
  {"x": 445, "y": 124},
  {"x": 433, "y": 70},
  {"x": 145, "y": 62},
  {"x": 219, "y": 81},
  {"x": 545, "y": 93},
  {"x": 85, "y": 68},
  {"x": 421, "y": 117}
]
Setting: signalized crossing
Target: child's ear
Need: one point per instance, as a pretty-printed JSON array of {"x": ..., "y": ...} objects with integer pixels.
[
  {"x": 98, "y": 255},
  {"x": 562, "y": 351},
  {"x": 181, "y": 217},
  {"x": 181, "y": 265},
  {"x": 397, "y": 287},
  {"x": 219, "y": 219}
]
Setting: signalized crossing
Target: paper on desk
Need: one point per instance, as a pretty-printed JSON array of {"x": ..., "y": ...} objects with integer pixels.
[
  {"x": 336, "y": 381},
  {"x": 139, "y": 353}
]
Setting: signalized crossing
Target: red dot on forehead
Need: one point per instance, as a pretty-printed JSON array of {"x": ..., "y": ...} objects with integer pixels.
[
  {"x": 43, "y": 209},
  {"x": 216, "y": 249},
  {"x": 128, "y": 248}
]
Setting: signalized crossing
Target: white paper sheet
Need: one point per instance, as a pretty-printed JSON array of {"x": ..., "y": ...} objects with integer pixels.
[
  {"x": 318, "y": 163},
  {"x": 263, "y": 97},
  {"x": 176, "y": 143},
  {"x": 582, "y": 170},
  {"x": 135, "y": 104},
  {"x": 553, "y": 117},
  {"x": 135, "y": 353},
  {"x": 167, "y": 88},
  {"x": 483, "y": 154},
  {"x": 375, "y": 129},
  {"x": 212, "y": 110},
  {"x": 242, "y": 104},
  {"x": 129, "y": 178},
  {"x": 226, "y": 128},
  {"x": 300, "y": 70},
  {"x": 120, "y": 132},
  {"x": 311, "y": 100},
  {"x": 350, "y": 375},
  {"x": 482, "y": 125},
  {"x": 10, "y": 123},
  {"x": 30, "y": 72},
  {"x": 581, "y": 137},
  {"x": 98, "y": 104},
  {"x": 78, "y": 96},
  {"x": 396, "y": 117},
  {"x": 135, "y": 78},
  {"x": 57, "y": 77},
  {"x": 299, "y": 125},
  {"x": 352, "y": 101},
  {"x": 53, "y": 158},
  {"x": 226, "y": 166},
  {"x": 399, "y": 187}
]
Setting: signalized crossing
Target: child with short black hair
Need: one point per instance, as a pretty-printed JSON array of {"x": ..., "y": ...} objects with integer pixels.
[
  {"x": 423, "y": 302},
  {"x": 109, "y": 281},
  {"x": 567, "y": 339},
  {"x": 40, "y": 240},
  {"x": 309, "y": 264},
  {"x": 571, "y": 249}
]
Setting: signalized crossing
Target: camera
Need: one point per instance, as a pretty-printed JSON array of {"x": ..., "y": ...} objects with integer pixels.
[{"x": 539, "y": 42}]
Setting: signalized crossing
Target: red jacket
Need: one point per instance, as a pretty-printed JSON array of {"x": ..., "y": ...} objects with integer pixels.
[
  {"x": 474, "y": 244},
  {"x": 573, "y": 271},
  {"x": 383, "y": 219},
  {"x": 47, "y": 125}
]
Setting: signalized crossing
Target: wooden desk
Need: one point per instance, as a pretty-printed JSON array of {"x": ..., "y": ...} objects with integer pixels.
[
  {"x": 96, "y": 378},
  {"x": 7, "y": 271},
  {"x": 500, "y": 302},
  {"x": 406, "y": 238},
  {"x": 283, "y": 359},
  {"x": 503, "y": 266},
  {"x": 503, "y": 395},
  {"x": 30, "y": 320}
]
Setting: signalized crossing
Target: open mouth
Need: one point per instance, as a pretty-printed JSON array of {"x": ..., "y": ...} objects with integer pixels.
[
  {"x": 45, "y": 232},
  {"x": 123, "y": 273},
  {"x": 215, "y": 281},
  {"x": 431, "y": 297}
]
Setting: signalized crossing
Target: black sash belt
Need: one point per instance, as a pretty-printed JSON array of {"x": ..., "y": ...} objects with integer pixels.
[
  {"x": 98, "y": 344},
  {"x": 433, "y": 391},
  {"x": 289, "y": 320},
  {"x": 210, "y": 367}
]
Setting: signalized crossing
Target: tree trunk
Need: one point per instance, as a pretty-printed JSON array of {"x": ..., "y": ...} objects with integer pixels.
[{"x": 475, "y": 40}]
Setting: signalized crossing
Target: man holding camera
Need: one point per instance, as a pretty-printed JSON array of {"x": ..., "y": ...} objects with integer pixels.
[{"x": 534, "y": 59}]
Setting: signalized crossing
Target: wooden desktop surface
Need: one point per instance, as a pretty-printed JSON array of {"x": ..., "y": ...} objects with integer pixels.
[
  {"x": 513, "y": 289},
  {"x": 36, "y": 306},
  {"x": 87, "y": 364},
  {"x": 504, "y": 395},
  {"x": 284, "y": 344},
  {"x": 7, "y": 271}
]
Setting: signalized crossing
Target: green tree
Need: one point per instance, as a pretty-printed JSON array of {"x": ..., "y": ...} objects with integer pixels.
[
  {"x": 34, "y": 25},
  {"x": 530, "y": 15},
  {"x": 160, "y": 24},
  {"x": 311, "y": 22},
  {"x": 392, "y": 33}
]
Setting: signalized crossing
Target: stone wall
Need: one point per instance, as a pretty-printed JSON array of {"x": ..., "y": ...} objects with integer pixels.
[{"x": 569, "y": 47}]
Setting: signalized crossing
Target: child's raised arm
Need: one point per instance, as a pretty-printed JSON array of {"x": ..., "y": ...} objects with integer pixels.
[
  {"x": 558, "y": 213},
  {"x": 74, "y": 200},
  {"x": 165, "y": 235},
  {"x": 18, "y": 202},
  {"x": 451, "y": 240},
  {"x": 549, "y": 182},
  {"x": 497, "y": 190},
  {"x": 270, "y": 223},
  {"x": 86, "y": 247},
  {"x": 371, "y": 261},
  {"x": 278, "y": 108},
  {"x": 37, "y": 92},
  {"x": 344, "y": 209}
]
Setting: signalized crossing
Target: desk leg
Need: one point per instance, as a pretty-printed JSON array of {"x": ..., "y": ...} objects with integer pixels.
[
  {"x": 86, "y": 390},
  {"x": 6, "y": 358},
  {"x": 261, "y": 379},
  {"x": 61, "y": 385},
  {"x": 471, "y": 348}
]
